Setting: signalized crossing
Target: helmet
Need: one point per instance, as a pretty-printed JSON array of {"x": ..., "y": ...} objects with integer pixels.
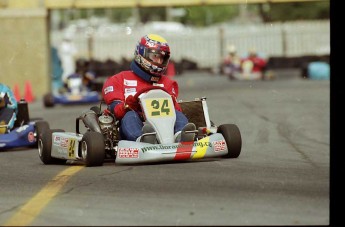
[
  {"x": 252, "y": 52},
  {"x": 231, "y": 49},
  {"x": 150, "y": 48}
]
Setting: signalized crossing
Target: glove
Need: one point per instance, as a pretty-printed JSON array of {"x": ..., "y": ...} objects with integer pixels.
[
  {"x": 119, "y": 111},
  {"x": 132, "y": 103}
]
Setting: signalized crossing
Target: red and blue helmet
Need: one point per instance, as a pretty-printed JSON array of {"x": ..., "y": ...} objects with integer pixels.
[{"x": 149, "y": 45}]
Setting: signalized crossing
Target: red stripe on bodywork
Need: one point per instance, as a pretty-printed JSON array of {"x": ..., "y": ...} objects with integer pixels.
[{"x": 184, "y": 150}]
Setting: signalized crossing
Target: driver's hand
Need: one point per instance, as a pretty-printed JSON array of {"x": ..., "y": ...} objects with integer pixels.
[{"x": 132, "y": 103}]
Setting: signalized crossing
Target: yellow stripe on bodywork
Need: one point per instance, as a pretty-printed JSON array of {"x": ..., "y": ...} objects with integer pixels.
[{"x": 201, "y": 150}]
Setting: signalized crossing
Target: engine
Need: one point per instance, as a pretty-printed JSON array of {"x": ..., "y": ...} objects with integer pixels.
[
  {"x": 103, "y": 123},
  {"x": 109, "y": 128}
]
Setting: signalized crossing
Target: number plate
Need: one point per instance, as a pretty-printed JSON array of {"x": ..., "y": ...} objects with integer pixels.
[{"x": 159, "y": 107}]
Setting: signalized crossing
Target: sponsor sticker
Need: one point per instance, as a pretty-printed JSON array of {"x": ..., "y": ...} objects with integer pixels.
[
  {"x": 22, "y": 128},
  {"x": 71, "y": 147},
  {"x": 155, "y": 78},
  {"x": 57, "y": 140},
  {"x": 219, "y": 145},
  {"x": 31, "y": 137},
  {"x": 128, "y": 153},
  {"x": 60, "y": 141},
  {"x": 158, "y": 85},
  {"x": 129, "y": 91},
  {"x": 130, "y": 82},
  {"x": 108, "y": 89},
  {"x": 64, "y": 142}
]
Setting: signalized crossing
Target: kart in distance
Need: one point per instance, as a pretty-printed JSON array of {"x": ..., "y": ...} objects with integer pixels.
[
  {"x": 25, "y": 130},
  {"x": 76, "y": 94}
]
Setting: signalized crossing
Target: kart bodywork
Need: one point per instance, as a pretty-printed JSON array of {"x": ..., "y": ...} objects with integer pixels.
[
  {"x": 77, "y": 94},
  {"x": 22, "y": 136},
  {"x": 24, "y": 133},
  {"x": 102, "y": 139}
]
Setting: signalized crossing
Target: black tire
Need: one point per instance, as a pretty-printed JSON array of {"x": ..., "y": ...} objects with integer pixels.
[
  {"x": 93, "y": 149},
  {"x": 232, "y": 136},
  {"x": 40, "y": 127},
  {"x": 48, "y": 100},
  {"x": 45, "y": 145}
]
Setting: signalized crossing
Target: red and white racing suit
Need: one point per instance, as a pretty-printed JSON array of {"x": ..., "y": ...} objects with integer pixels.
[{"x": 118, "y": 87}]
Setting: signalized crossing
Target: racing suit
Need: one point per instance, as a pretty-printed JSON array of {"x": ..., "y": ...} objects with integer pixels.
[
  {"x": 118, "y": 87},
  {"x": 259, "y": 64},
  {"x": 8, "y": 109}
]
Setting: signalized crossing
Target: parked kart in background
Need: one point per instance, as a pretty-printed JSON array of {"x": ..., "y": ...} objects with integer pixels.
[
  {"x": 24, "y": 132},
  {"x": 102, "y": 139},
  {"x": 76, "y": 94}
]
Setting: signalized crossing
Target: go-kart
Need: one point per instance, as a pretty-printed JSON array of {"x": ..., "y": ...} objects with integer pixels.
[
  {"x": 25, "y": 130},
  {"x": 245, "y": 71},
  {"x": 102, "y": 139},
  {"x": 76, "y": 94}
]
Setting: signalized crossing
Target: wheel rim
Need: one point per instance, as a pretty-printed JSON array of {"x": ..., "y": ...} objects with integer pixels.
[
  {"x": 40, "y": 147},
  {"x": 84, "y": 150}
]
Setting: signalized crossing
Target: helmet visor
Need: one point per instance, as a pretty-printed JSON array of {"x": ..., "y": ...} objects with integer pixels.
[{"x": 157, "y": 57}]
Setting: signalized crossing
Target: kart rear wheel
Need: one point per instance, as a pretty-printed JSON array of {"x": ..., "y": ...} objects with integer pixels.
[
  {"x": 45, "y": 145},
  {"x": 48, "y": 100},
  {"x": 40, "y": 127},
  {"x": 93, "y": 149},
  {"x": 232, "y": 136}
]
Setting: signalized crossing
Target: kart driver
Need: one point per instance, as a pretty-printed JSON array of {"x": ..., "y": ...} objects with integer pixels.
[
  {"x": 151, "y": 58},
  {"x": 8, "y": 109},
  {"x": 82, "y": 80},
  {"x": 232, "y": 63},
  {"x": 259, "y": 64}
]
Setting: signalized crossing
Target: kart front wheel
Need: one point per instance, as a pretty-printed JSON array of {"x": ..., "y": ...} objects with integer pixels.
[
  {"x": 45, "y": 145},
  {"x": 93, "y": 148},
  {"x": 40, "y": 127},
  {"x": 232, "y": 136}
]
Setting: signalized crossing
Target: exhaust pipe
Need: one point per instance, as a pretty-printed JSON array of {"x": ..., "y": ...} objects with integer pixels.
[{"x": 90, "y": 120}]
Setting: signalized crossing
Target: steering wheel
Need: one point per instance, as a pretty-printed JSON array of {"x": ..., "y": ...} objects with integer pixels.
[{"x": 146, "y": 89}]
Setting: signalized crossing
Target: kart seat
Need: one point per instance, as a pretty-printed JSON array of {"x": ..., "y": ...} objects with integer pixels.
[
  {"x": 23, "y": 114},
  {"x": 194, "y": 112}
]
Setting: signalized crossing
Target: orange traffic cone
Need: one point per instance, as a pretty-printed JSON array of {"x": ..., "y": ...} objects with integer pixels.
[
  {"x": 16, "y": 92},
  {"x": 29, "y": 97}
]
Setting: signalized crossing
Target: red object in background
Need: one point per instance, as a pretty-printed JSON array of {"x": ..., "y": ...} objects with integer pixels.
[
  {"x": 171, "y": 69},
  {"x": 28, "y": 95},
  {"x": 16, "y": 92}
]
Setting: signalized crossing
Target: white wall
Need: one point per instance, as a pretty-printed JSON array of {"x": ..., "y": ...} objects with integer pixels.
[{"x": 204, "y": 45}]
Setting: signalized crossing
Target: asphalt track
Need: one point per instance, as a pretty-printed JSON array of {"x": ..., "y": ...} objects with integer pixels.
[{"x": 282, "y": 176}]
